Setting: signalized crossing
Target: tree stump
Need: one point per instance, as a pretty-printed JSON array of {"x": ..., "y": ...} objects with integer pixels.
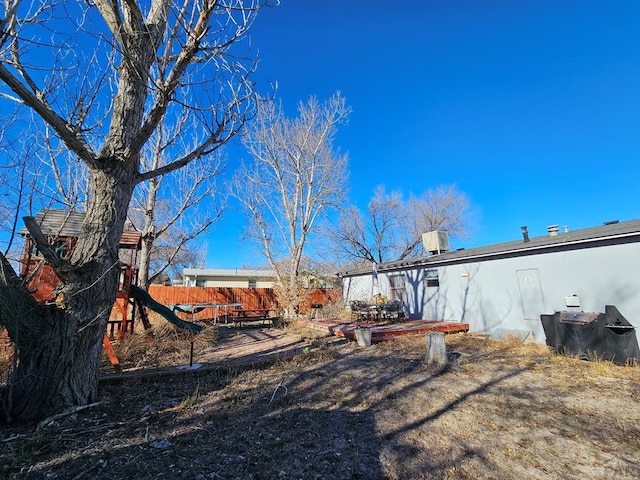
[
  {"x": 363, "y": 336},
  {"x": 436, "y": 349}
]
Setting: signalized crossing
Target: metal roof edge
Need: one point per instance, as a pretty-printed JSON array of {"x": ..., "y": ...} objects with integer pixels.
[
  {"x": 435, "y": 260},
  {"x": 457, "y": 257}
]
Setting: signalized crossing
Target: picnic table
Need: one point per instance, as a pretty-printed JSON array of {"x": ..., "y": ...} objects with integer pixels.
[{"x": 239, "y": 315}]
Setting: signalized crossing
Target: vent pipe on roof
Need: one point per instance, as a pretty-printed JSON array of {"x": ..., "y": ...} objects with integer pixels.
[
  {"x": 525, "y": 234},
  {"x": 553, "y": 230}
]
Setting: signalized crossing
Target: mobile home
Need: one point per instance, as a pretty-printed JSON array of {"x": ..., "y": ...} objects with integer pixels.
[{"x": 507, "y": 286}]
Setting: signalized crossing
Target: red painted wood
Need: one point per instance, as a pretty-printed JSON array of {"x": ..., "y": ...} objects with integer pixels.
[{"x": 380, "y": 333}]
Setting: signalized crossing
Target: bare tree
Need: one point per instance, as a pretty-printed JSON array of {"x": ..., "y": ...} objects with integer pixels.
[
  {"x": 372, "y": 237},
  {"x": 174, "y": 209},
  {"x": 20, "y": 178},
  {"x": 443, "y": 208},
  {"x": 102, "y": 75},
  {"x": 392, "y": 228},
  {"x": 294, "y": 178},
  {"x": 172, "y": 223},
  {"x": 12, "y": 180}
]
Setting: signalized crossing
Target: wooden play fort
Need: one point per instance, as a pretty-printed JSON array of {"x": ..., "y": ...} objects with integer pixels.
[{"x": 62, "y": 229}]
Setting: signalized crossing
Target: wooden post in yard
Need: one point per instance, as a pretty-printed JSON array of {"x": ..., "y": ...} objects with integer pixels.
[{"x": 436, "y": 349}]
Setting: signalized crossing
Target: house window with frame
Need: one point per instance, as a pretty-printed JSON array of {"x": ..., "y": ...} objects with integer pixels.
[
  {"x": 431, "y": 278},
  {"x": 397, "y": 287},
  {"x": 253, "y": 283},
  {"x": 201, "y": 282}
]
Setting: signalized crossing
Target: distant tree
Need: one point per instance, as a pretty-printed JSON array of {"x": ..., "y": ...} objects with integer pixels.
[
  {"x": 443, "y": 208},
  {"x": 14, "y": 182},
  {"x": 321, "y": 273},
  {"x": 392, "y": 228},
  {"x": 101, "y": 76},
  {"x": 174, "y": 209},
  {"x": 293, "y": 178}
]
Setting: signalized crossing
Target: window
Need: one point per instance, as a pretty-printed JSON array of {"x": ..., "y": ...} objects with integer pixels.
[
  {"x": 431, "y": 278},
  {"x": 61, "y": 248},
  {"x": 34, "y": 252},
  {"x": 200, "y": 282},
  {"x": 253, "y": 283},
  {"x": 396, "y": 284}
]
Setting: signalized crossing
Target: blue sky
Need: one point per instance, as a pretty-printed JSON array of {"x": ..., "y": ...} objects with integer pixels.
[{"x": 531, "y": 108}]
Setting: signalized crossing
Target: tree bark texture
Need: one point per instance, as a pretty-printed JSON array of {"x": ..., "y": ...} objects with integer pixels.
[
  {"x": 436, "y": 349},
  {"x": 58, "y": 347}
]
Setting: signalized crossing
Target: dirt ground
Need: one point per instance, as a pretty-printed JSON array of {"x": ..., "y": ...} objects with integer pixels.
[{"x": 268, "y": 404}]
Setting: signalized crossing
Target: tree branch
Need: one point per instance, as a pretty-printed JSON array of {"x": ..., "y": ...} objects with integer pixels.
[
  {"x": 47, "y": 250},
  {"x": 73, "y": 140}
]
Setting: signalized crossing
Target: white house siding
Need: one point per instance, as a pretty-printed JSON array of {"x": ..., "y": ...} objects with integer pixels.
[
  {"x": 232, "y": 282},
  {"x": 226, "y": 277},
  {"x": 511, "y": 293}
]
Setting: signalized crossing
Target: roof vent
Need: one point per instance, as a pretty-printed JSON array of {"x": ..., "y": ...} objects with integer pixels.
[
  {"x": 553, "y": 230},
  {"x": 525, "y": 234},
  {"x": 611, "y": 222},
  {"x": 435, "y": 242}
]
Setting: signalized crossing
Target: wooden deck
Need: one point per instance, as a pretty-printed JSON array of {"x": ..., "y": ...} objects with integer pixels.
[{"x": 384, "y": 331}]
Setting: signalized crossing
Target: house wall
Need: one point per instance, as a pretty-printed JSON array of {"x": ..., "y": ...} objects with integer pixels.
[
  {"x": 511, "y": 293},
  {"x": 231, "y": 282}
]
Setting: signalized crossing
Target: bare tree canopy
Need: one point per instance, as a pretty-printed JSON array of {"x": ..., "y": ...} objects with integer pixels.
[
  {"x": 174, "y": 209},
  {"x": 293, "y": 178},
  {"x": 102, "y": 76},
  {"x": 392, "y": 228}
]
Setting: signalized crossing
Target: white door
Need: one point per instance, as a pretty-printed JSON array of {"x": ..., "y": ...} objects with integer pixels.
[{"x": 531, "y": 294}]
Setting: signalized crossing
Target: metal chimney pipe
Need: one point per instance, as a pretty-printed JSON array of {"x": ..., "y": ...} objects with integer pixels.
[{"x": 525, "y": 234}]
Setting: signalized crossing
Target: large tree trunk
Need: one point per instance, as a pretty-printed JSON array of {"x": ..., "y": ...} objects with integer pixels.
[
  {"x": 49, "y": 360},
  {"x": 58, "y": 347}
]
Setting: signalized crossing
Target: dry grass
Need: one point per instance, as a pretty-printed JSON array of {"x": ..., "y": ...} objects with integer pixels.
[
  {"x": 162, "y": 347},
  {"x": 6, "y": 356},
  {"x": 337, "y": 411}
]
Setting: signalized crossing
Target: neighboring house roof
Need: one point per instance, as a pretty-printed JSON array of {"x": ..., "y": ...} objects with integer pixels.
[
  {"x": 227, "y": 272},
  {"x": 67, "y": 223},
  {"x": 615, "y": 232}
]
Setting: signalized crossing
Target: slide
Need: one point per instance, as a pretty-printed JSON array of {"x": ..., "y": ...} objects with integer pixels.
[{"x": 149, "y": 302}]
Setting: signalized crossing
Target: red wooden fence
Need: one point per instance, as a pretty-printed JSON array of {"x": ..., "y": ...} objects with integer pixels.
[{"x": 250, "y": 298}]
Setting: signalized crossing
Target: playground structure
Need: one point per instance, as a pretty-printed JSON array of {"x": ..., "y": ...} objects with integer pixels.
[
  {"x": 62, "y": 228},
  {"x": 197, "y": 304}
]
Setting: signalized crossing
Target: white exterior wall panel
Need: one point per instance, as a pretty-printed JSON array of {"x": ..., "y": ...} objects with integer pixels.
[{"x": 511, "y": 293}]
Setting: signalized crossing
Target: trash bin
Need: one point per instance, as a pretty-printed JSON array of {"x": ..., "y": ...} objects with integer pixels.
[{"x": 607, "y": 335}]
